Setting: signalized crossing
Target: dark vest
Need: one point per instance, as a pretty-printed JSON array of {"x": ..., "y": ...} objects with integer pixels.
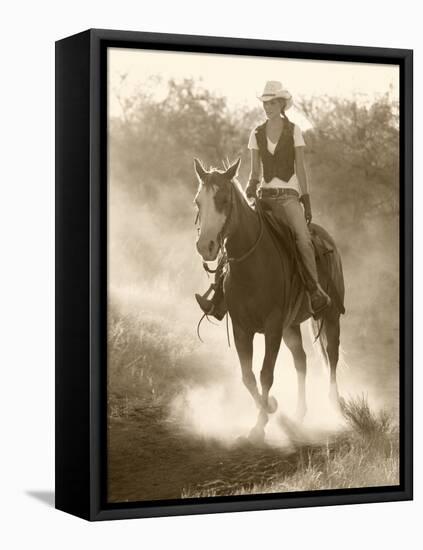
[{"x": 281, "y": 163}]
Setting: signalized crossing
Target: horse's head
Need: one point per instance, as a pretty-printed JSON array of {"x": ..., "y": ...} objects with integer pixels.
[{"x": 213, "y": 200}]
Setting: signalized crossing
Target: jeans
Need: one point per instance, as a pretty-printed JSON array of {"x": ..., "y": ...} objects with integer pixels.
[{"x": 288, "y": 210}]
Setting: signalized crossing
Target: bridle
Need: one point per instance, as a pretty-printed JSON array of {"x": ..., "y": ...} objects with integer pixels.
[
  {"x": 255, "y": 245},
  {"x": 222, "y": 235}
]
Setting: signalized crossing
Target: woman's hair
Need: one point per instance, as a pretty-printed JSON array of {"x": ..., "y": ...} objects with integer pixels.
[{"x": 283, "y": 103}]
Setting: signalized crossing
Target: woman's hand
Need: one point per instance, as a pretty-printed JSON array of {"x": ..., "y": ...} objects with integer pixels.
[
  {"x": 251, "y": 189},
  {"x": 253, "y": 203},
  {"x": 305, "y": 199}
]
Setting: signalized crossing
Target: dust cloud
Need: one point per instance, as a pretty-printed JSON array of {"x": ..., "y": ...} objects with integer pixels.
[{"x": 154, "y": 271}]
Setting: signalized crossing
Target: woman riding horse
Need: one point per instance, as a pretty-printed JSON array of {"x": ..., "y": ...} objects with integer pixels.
[{"x": 277, "y": 151}]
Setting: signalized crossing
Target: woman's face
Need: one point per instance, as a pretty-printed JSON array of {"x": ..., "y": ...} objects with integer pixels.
[{"x": 272, "y": 108}]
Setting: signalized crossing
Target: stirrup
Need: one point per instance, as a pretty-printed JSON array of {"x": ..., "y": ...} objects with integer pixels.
[
  {"x": 206, "y": 306},
  {"x": 210, "y": 308},
  {"x": 211, "y": 288},
  {"x": 316, "y": 312}
]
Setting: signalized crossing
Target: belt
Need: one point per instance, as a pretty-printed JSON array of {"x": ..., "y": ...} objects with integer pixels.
[{"x": 275, "y": 192}]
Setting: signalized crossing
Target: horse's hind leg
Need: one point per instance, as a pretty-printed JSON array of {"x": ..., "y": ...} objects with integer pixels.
[
  {"x": 293, "y": 339},
  {"x": 244, "y": 347},
  {"x": 332, "y": 335}
]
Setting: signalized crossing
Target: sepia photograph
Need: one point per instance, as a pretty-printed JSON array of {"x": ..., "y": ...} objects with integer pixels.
[{"x": 253, "y": 275}]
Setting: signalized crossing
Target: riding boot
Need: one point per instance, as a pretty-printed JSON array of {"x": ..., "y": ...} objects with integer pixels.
[
  {"x": 215, "y": 307},
  {"x": 319, "y": 300}
]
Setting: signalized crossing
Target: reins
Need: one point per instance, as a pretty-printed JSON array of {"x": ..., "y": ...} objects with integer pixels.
[{"x": 252, "y": 249}]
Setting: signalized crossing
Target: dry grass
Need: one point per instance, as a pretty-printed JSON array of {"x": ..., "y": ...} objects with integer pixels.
[
  {"x": 363, "y": 420},
  {"x": 150, "y": 361}
]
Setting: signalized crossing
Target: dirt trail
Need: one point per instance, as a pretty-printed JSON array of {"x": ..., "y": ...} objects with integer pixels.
[{"x": 152, "y": 457}]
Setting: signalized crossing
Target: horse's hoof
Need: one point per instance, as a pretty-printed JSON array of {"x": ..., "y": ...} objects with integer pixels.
[
  {"x": 334, "y": 398},
  {"x": 272, "y": 404},
  {"x": 241, "y": 441},
  {"x": 256, "y": 435}
]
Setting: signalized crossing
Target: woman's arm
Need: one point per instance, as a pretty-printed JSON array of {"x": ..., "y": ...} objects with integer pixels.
[
  {"x": 302, "y": 181},
  {"x": 255, "y": 174},
  {"x": 300, "y": 170}
]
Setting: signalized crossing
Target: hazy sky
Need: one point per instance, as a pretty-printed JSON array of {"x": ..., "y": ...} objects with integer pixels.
[{"x": 241, "y": 78}]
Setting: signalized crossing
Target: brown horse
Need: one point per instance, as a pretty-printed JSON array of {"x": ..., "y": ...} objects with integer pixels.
[{"x": 263, "y": 288}]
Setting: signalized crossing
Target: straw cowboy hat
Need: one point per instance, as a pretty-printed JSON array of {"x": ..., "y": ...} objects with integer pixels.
[{"x": 274, "y": 89}]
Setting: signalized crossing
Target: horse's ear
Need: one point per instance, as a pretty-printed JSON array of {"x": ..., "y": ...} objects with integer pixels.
[
  {"x": 232, "y": 171},
  {"x": 201, "y": 173}
]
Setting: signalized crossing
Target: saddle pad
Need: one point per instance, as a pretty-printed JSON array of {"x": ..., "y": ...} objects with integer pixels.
[{"x": 325, "y": 253}]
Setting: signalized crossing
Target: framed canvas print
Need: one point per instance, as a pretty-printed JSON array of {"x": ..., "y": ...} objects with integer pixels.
[{"x": 233, "y": 274}]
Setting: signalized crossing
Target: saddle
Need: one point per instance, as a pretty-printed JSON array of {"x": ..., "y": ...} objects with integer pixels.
[{"x": 324, "y": 248}]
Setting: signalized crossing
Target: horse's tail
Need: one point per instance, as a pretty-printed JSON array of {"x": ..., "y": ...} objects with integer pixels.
[
  {"x": 318, "y": 333},
  {"x": 319, "y": 336}
]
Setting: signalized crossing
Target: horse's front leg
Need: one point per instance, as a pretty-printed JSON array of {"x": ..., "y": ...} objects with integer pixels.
[
  {"x": 268, "y": 404},
  {"x": 272, "y": 339},
  {"x": 244, "y": 346}
]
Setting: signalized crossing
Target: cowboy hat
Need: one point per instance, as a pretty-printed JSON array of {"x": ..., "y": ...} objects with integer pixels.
[{"x": 273, "y": 89}]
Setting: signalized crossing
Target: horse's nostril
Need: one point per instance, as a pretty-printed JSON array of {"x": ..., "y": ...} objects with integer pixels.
[{"x": 211, "y": 245}]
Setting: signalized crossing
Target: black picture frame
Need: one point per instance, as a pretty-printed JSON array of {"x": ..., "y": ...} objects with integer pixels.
[{"x": 81, "y": 276}]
